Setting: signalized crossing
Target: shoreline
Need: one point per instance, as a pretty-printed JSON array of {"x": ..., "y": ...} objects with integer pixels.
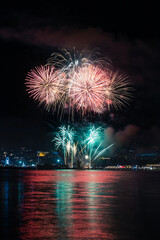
[{"x": 82, "y": 169}]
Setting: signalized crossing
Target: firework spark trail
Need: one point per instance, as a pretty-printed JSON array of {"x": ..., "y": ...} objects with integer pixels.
[
  {"x": 97, "y": 149},
  {"x": 71, "y": 59},
  {"x": 60, "y": 142},
  {"x": 101, "y": 152},
  {"x": 83, "y": 152},
  {"x": 64, "y": 140},
  {"x": 64, "y": 135},
  {"x": 118, "y": 91},
  {"x": 94, "y": 135}
]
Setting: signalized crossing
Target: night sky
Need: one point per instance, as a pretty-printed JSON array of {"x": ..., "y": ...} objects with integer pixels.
[{"x": 129, "y": 35}]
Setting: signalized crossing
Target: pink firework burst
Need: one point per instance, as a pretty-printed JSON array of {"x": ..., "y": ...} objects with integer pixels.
[
  {"x": 87, "y": 88},
  {"x": 45, "y": 84}
]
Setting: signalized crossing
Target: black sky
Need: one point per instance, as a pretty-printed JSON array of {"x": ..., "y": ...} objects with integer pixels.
[{"x": 29, "y": 33}]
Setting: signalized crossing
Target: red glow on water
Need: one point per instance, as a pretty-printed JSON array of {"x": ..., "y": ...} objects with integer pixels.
[
  {"x": 67, "y": 205},
  {"x": 70, "y": 204}
]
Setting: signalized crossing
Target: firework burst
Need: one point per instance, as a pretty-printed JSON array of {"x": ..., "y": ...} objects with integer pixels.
[
  {"x": 86, "y": 89},
  {"x": 46, "y": 85}
]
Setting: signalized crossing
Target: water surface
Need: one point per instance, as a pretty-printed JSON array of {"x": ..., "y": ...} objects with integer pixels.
[{"x": 73, "y": 204}]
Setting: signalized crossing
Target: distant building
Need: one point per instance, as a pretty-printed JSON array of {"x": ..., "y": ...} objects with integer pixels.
[{"x": 41, "y": 156}]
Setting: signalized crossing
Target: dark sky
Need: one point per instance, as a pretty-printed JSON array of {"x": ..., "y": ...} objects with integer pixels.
[{"x": 128, "y": 34}]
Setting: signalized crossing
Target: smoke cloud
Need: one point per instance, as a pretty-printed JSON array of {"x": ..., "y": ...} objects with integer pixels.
[{"x": 121, "y": 137}]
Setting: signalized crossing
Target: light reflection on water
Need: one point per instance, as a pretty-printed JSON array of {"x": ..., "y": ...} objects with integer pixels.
[{"x": 72, "y": 204}]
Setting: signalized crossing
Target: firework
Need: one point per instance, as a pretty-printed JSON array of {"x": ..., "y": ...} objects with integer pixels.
[
  {"x": 89, "y": 154},
  {"x": 46, "y": 85},
  {"x": 64, "y": 135},
  {"x": 86, "y": 89},
  {"x": 70, "y": 60},
  {"x": 90, "y": 146},
  {"x": 93, "y": 138},
  {"x": 64, "y": 140},
  {"x": 86, "y": 150},
  {"x": 81, "y": 81},
  {"x": 94, "y": 135},
  {"x": 100, "y": 153},
  {"x": 118, "y": 90}
]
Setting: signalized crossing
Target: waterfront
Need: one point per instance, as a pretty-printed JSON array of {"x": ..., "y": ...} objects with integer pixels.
[{"x": 75, "y": 204}]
